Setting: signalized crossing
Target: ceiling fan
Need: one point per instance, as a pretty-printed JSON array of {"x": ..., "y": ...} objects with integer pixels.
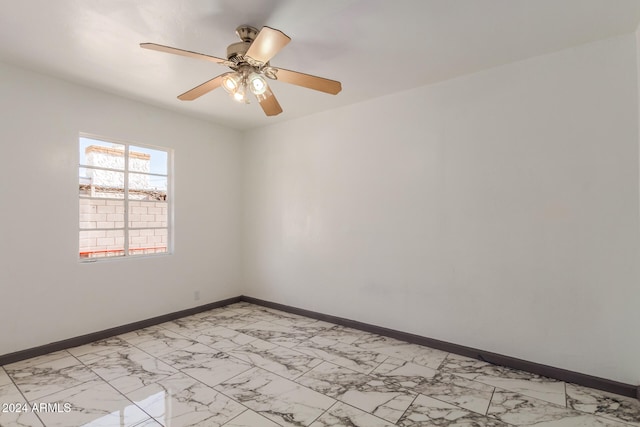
[{"x": 249, "y": 62}]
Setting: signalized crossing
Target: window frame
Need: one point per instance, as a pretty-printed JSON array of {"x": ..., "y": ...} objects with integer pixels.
[{"x": 126, "y": 171}]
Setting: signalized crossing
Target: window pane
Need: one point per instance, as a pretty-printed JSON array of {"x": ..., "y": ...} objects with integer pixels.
[
  {"x": 101, "y": 214},
  {"x": 101, "y": 183},
  {"x": 149, "y": 241},
  {"x": 101, "y": 243},
  {"x": 147, "y": 160},
  {"x": 147, "y": 214},
  {"x": 102, "y": 154},
  {"x": 111, "y": 225},
  {"x": 147, "y": 187}
]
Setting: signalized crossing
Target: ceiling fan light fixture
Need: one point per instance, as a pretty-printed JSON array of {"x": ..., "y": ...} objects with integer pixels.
[
  {"x": 249, "y": 61},
  {"x": 240, "y": 94},
  {"x": 232, "y": 82},
  {"x": 257, "y": 84}
]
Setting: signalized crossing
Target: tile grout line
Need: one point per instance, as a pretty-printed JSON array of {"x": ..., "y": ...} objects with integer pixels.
[
  {"x": 281, "y": 377},
  {"x": 22, "y": 394},
  {"x": 493, "y": 392},
  {"x": 348, "y": 404},
  {"x": 325, "y": 411},
  {"x": 405, "y": 411},
  {"x": 178, "y": 371},
  {"x": 117, "y": 391},
  {"x": 375, "y": 416},
  {"x": 442, "y": 363},
  {"x": 47, "y": 395},
  {"x": 241, "y": 413},
  {"x": 221, "y": 392}
]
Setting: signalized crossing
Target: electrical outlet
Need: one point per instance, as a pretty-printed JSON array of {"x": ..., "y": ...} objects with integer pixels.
[{"x": 196, "y": 295}]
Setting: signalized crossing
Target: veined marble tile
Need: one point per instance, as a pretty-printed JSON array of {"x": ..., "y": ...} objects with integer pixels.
[
  {"x": 285, "y": 336},
  {"x": 467, "y": 394},
  {"x": 426, "y": 411},
  {"x": 236, "y": 323},
  {"x": 188, "y": 357},
  {"x": 242, "y": 310},
  {"x": 377, "y": 395},
  {"x": 94, "y": 403},
  {"x": 459, "y": 391},
  {"x": 186, "y": 326},
  {"x": 345, "y": 355},
  {"x": 417, "y": 354},
  {"x": 141, "y": 335},
  {"x": 246, "y": 313},
  {"x": 342, "y": 415},
  {"x": 149, "y": 423},
  {"x": 213, "y": 312},
  {"x": 506, "y": 378},
  {"x": 304, "y": 322},
  {"x": 130, "y": 369},
  {"x": 164, "y": 342},
  {"x": 521, "y": 410},
  {"x": 268, "y": 315},
  {"x": 232, "y": 319},
  {"x": 34, "y": 361},
  {"x": 50, "y": 377},
  {"x": 99, "y": 348},
  {"x": 4, "y": 378},
  {"x": 240, "y": 304},
  {"x": 180, "y": 401},
  {"x": 607, "y": 405},
  {"x": 340, "y": 334},
  {"x": 222, "y": 338},
  {"x": 282, "y": 401},
  {"x": 279, "y": 360},
  {"x": 219, "y": 368},
  {"x": 250, "y": 418},
  {"x": 383, "y": 378},
  {"x": 544, "y": 389},
  {"x": 279, "y": 313},
  {"x": 18, "y": 412},
  {"x": 407, "y": 374}
]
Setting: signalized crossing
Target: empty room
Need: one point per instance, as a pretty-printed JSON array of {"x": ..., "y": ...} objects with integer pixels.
[{"x": 320, "y": 213}]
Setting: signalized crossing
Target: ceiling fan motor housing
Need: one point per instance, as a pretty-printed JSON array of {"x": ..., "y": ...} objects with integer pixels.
[{"x": 236, "y": 51}]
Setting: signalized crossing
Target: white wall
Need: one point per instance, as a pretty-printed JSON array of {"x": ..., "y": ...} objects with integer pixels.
[
  {"x": 638, "y": 75},
  {"x": 45, "y": 293},
  {"x": 498, "y": 210}
]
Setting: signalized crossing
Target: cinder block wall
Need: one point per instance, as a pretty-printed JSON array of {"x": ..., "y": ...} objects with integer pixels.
[{"x": 102, "y": 226}]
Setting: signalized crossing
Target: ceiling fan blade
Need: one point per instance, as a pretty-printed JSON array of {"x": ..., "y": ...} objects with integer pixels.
[
  {"x": 188, "y": 53},
  {"x": 266, "y": 45},
  {"x": 205, "y": 87},
  {"x": 269, "y": 103},
  {"x": 306, "y": 80}
]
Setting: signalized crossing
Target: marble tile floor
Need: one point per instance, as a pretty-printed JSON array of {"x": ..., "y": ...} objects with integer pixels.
[{"x": 247, "y": 365}]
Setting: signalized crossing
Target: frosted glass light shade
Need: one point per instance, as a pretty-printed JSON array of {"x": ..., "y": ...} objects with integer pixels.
[
  {"x": 231, "y": 82},
  {"x": 257, "y": 84},
  {"x": 240, "y": 94}
]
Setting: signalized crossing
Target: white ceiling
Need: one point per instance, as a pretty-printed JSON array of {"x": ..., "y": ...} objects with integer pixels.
[{"x": 374, "y": 47}]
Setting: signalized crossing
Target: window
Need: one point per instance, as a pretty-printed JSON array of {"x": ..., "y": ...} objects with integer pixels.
[{"x": 124, "y": 193}]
